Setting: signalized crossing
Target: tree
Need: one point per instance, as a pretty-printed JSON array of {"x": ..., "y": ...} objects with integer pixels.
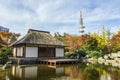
[
  {"x": 103, "y": 37},
  {"x": 114, "y": 42},
  {"x": 6, "y": 38},
  {"x": 73, "y": 42},
  {"x": 84, "y": 42}
]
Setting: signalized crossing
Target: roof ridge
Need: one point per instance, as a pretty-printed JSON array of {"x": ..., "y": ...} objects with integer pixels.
[{"x": 30, "y": 30}]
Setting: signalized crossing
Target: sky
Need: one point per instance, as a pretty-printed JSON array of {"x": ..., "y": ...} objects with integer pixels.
[{"x": 59, "y": 15}]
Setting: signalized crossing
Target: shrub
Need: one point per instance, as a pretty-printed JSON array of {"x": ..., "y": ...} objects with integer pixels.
[
  {"x": 81, "y": 53},
  {"x": 69, "y": 53},
  {"x": 3, "y": 56},
  {"x": 7, "y": 51},
  {"x": 94, "y": 54},
  {"x": 77, "y": 54},
  {"x": 4, "y": 52}
]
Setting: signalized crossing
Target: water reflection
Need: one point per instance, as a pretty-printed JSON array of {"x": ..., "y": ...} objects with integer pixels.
[
  {"x": 24, "y": 72},
  {"x": 67, "y": 72}
]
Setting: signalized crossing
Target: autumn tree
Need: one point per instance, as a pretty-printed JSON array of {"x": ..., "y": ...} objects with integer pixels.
[
  {"x": 72, "y": 42},
  {"x": 103, "y": 37},
  {"x": 83, "y": 41},
  {"x": 95, "y": 45},
  {"x": 2, "y": 43},
  {"x": 114, "y": 42},
  {"x": 6, "y": 38}
]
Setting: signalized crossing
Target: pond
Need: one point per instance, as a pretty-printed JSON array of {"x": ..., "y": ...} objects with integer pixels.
[{"x": 82, "y": 71}]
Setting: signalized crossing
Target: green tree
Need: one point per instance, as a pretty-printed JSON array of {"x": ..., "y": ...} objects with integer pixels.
[{"x": 103, "y": 37}]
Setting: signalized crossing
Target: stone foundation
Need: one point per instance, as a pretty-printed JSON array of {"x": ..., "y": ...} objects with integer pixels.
[{"x": 24, "y": 61}]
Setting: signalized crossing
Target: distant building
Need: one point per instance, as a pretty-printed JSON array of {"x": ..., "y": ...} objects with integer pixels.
[{"x": 4, "y": 29}]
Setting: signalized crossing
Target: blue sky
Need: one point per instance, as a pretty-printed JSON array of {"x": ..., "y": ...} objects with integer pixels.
[{"x": 59, "y": 15}]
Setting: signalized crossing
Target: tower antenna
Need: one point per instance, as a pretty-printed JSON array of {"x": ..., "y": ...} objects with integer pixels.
[{"x": 81, "y": 24}]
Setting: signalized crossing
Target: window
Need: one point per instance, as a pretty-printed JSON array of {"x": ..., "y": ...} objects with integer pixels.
[
  {"x": 20, "y": 51},
  {"x": 43, "y": 50}
]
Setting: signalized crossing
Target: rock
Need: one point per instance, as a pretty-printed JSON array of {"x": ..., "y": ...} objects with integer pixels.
[
  {"x": 106, "y": 56},
  {"x": 91, "y": 59},
  {"x": 101, "y": 61},
  {"x": 6, "y": 66},
  {"x": 119, "y": 65},
  {"x": 117, "y": 59},
  {"x": 1, "y": 65},
  {"x": 9, "y": 62},
  {"x": 115, "y": 64},
  {"x": 87, "y": 56},
  {"x": 100, "y": 58},
  {"x": 118, "y": 53},
  {"x": 111, "y": 58},
  {"x": 114, "y": 55},
  {"x": 106, "y": 63}
]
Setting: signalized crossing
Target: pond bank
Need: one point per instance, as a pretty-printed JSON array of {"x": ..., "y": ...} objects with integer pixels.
[
  {"x": 113, "y": 63},
  {"x": 112, "y": 59}
]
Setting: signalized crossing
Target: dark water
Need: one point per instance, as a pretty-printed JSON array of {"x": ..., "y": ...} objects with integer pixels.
[{"x": 65, "y": 72}]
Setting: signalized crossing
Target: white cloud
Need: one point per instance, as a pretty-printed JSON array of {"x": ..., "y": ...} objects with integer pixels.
[{"x": 21, "y": 15}]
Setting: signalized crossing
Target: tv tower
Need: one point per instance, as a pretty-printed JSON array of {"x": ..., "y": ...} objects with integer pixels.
[{"x": 81, "y": 24}]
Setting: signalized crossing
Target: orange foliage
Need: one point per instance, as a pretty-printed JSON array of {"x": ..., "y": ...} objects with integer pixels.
[
  {"x": 73, "y": 42},
  {"x": 114, "y": 42},
  {"x": 8, "y": 37}
]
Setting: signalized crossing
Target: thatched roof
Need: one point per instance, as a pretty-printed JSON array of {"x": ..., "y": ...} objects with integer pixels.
[{"x": 38, "y": 37}]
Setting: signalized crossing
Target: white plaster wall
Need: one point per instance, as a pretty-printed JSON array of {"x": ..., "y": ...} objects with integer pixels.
[
  {"x": 19, "y": 51},
  {"x": 14, "y": 51},
  {"x": 13, "y": 70},
  {"x": 31, "y": 72},
  {"x": 16, "y": 71},
  {"x": 59, "y": 52},
  {"x": 59, "y": 70},
  {"x": 31, "y": 51}
]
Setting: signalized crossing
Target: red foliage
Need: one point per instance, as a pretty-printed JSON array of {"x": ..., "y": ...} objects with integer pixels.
[{"x": 84, "y": 38}]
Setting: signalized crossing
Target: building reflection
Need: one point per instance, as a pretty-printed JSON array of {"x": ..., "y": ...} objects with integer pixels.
[
  {"x": 41, "y": 72},
  {"x": 24, "y": 72},
  {"x": 51, "y": 72},
  {"x": 67, "y": 72}
]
